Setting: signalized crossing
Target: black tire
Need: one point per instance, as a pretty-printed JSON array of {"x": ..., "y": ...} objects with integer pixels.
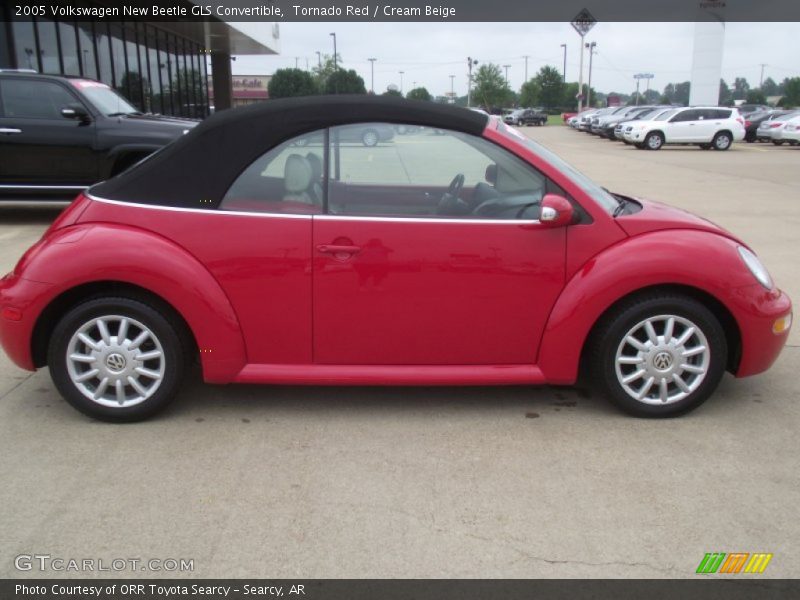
[
  {"x": 654, "y": 141},
  {"x": 778, "y": 142},
  {"x": 370, "y": 138},
  {"x": 173, "y": 351},
  {"x": 705, "y": 146},
  {"x": 613, "y": 330},
  {"x": 639, "y": 145},
  {"x": 722, "y": 141}
]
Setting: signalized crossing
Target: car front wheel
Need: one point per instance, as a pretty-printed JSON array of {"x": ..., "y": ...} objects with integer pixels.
[
  {"x": 370, "y": 138},
  {"x": 654, "y": 141},
  {"x": 116, "y": 359},
  {"x": 660, "y": 355}
]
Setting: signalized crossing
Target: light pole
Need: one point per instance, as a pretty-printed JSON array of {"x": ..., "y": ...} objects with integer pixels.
[
  {"x": 506, "y": 67},
  {"x": 470, "y": 63},
  {"x": 564, "y": 46},
  {"x": 372, "y": 73},
  {"x": 335, "y": 59},
  {"x": 589, "y": 91},
  {"x": 401, "y": 81},
  {"x": 638, "y": 77},
  {"x": 452, "y": 89},
  {"x": 526, "y": 57}
]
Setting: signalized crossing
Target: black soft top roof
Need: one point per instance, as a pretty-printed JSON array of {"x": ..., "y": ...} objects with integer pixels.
[{"x": 196, "y": 170}]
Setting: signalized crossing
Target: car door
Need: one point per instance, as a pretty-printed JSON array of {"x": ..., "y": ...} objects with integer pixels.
[
  {"x": 682, "y": 128},
  {"x": 431, "y": 253},
  {"x": 39, "y": 146}
]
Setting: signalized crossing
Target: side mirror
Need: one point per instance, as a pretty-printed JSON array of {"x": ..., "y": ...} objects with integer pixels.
[
  {"x": 75, "y": 111},
  {"x": 556, "y": 211}
]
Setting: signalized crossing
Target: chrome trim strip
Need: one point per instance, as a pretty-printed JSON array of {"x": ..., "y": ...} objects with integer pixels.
[
  {"x": 428, "y": 220},
  {"x": 43, "y": 187},
  {"x": 194, "y": 210},
  {"x": 322, "y": 217}
]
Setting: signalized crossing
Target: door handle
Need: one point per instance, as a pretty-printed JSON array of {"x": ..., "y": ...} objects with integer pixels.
[
  {"x": 338, "y": 250},
  {"x": 9, "y": 130}
]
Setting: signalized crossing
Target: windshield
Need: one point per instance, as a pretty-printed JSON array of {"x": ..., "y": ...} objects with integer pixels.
[
  {"x": 597, "y": 193},
  {"x": 663, "y": 116},
  {"x": 105, "y": 99}
]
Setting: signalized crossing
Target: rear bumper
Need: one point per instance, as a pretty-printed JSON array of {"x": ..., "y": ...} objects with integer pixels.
[
  {"x": 25, "y": 299},
  {"x": 756, "y": 311}
]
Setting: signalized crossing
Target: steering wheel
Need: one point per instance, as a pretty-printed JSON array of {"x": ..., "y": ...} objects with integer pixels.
[{"x": 450, "y": 203}]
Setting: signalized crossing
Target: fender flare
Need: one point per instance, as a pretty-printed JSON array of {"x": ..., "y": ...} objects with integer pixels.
[
  {"x": 660, "y": 258},
  {"x": 91, "y": 253}
]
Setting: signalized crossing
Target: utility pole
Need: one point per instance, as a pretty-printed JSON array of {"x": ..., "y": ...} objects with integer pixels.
[
  {"x": 452, "y": 89},
  {"x": 335, "y": 58},
  {"x": 319, "y": 59},
  {"x": 564, "y": 46},
  {"x": 589, "y": 91},
  {"x": 372, "y": 73},
  {"x": 582, "y": 24},
  {"x": 506, "y": 67},
  {"x": 761, "y": 80},
  {"x": 401, "y": 81},
  {"x": 580, "y": 79},
  {"x": 296, "y": 62},
  {"x": 470, "y": 63},
  {"x": 526, "y": 57}
]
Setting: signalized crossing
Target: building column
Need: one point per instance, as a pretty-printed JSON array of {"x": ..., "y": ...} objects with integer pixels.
[
  {"x": 709, "y": 43},
  {"x": 221, "y": 80}
]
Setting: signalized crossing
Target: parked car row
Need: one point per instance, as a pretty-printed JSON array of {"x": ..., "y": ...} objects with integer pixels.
[
  {"x": 776, "y": 126},
  {"x": 651, "y": 127}
]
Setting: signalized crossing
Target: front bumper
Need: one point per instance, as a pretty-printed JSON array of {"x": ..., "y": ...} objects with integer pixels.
[
  {"x": 21, "y": 303},
  {"x": 756, "y": 311}
]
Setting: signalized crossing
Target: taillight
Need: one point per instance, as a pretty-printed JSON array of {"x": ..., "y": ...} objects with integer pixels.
[
  {"x": 747, "y": 123},
  {"x": 774, "y": 125},
  {"x": 740, "y": 120}
]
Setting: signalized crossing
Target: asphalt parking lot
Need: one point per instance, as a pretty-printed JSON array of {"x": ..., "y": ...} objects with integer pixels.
[{"x": 446, "y": 482}]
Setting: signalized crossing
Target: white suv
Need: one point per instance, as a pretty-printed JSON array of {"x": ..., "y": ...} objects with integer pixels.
[{"x": 708, "y": 127}]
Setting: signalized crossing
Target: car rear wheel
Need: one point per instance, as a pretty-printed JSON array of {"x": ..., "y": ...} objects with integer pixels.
[
  {"x": 660, "y": 355},
  {"x": 370, "y": 138},
  {"x": 778, "y": 142},
  {"x": 705, "y": 146},
  {"x": 116, "y": 359},
  {"x": 654, "y": 141},
  {"x": 722, "y": 141}
]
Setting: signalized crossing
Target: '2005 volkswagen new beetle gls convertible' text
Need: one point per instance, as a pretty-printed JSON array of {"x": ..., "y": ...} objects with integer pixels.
[{"x": 273, "y": 246}]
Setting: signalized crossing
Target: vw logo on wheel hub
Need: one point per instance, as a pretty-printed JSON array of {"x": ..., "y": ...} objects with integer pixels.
[
  {"x": 115, "y": 362},
  {"x": 662, "y": 361}
]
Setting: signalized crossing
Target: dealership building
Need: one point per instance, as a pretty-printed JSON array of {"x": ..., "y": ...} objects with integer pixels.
[{"x": 160, "y": 67}]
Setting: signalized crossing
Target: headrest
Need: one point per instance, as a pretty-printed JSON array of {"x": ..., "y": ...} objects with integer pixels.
[
  {"x": 491, "y": 174},
  {"x": 316, "y": 165},
  {"x": 296, "y": 174}
]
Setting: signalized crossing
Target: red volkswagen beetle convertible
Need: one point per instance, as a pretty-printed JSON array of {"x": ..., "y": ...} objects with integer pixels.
[{"x": 291, "y": 242}]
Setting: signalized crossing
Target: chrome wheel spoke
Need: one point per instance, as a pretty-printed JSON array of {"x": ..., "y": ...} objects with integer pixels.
[
  {"x": 134, "y": 383},
  {"x": 681, "y": 383},
  {"x": 646, "y": 388},
  {"x": 694, "y": 351},
  {"x": 140, "y": 339},
  {"x": 681, "y": 341},
  {"x": 81, "y": 358},
  {"x": 102, "y": 329},
  {"x": 149, "y": 355},
  {"x": 693, "y": 369},
  {"x": 663, "y": 390},
  {"x": 630, "y": 360},
  {"x": 122, "y": 332},
  {"x": 651, "y": 332},
  {"x": 636, "y": 343},
  {"x": 669, "y": 328},
  {"x": 120, "y": 392},
  {"x": 86, "y": 376},
  {"x": 101, "y": 389},
  {"x": 88, "y": 341},
  {"x": 633, "y": 376},
  {"x": 147, "y": 373}
]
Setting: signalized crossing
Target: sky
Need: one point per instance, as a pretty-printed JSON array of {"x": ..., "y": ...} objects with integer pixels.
[{"x": 429, "y": 53}]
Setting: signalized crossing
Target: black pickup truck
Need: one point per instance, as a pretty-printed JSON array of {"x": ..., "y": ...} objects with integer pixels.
[
  {"x": 526, "y": 116},
  {"x": 59, "y": 135}
]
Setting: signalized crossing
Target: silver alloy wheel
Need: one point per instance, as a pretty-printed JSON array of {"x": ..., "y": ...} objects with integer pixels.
[
  {"x": 654, "y": 142},
  {"x": 662, "y": 360},
  {"x": 722, "y": 141},
  {"x": 370, "y": 138},
  {"x": 115, "y": 361}
]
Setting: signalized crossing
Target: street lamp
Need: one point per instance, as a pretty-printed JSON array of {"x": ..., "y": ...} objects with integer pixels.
[
  {"x": 506, "y": 67},
  {"x": 372, "y": 73},
  {"x": 470, "y": 63},
  {"x": 591, "y": 48},
  {"x": 452, "y": 90},
  {"x": 638, "y": 77},
  {"x": 564, "y": 46},
  {"x": 526, "y": 57},
  {"x": 319, "y": 60},
  {"x": 401, "y": 81},
  {"x": 335, "y": 59}
]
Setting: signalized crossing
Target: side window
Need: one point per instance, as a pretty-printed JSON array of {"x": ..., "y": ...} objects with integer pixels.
[
  {"x": 23, "y": 99},
  {"x": 686, "y": 115},
  {"x": 287, "y": 179},
  {"x": 721, "y": 114},
  {"x": 423, "y": 172}
]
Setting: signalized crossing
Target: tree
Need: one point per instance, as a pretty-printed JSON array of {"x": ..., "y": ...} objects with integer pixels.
[
  {"x": 755, "y": 96},
  {"x": 740, "y": 88},
  {"x": 325, "y": 69},
  {"x": 769, "y": 87},
  {"x": 677, "y": 93},
  {"x": 490, "y": 88},
  {"x": 791, "y": 92},
  {"x": 529, "y": 94},
  {"x": 419, "y": 93},
  {"x": 651, "y": 97},
  {"x": 290, "y": 83},
  {"x": 345, "y": 82},
  {"x": 392, "y": 92},
  {"x": 725, "y": 94},
  {"x": 551, "y": 86}
]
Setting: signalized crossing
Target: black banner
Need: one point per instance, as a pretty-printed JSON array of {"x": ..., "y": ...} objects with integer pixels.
[
  {"x": 734, "y": 588},
  {"x": 407, "y": 10}
]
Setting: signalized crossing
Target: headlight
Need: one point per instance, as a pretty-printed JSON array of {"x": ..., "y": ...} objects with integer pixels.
[{"x": 756, "y": 268}]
